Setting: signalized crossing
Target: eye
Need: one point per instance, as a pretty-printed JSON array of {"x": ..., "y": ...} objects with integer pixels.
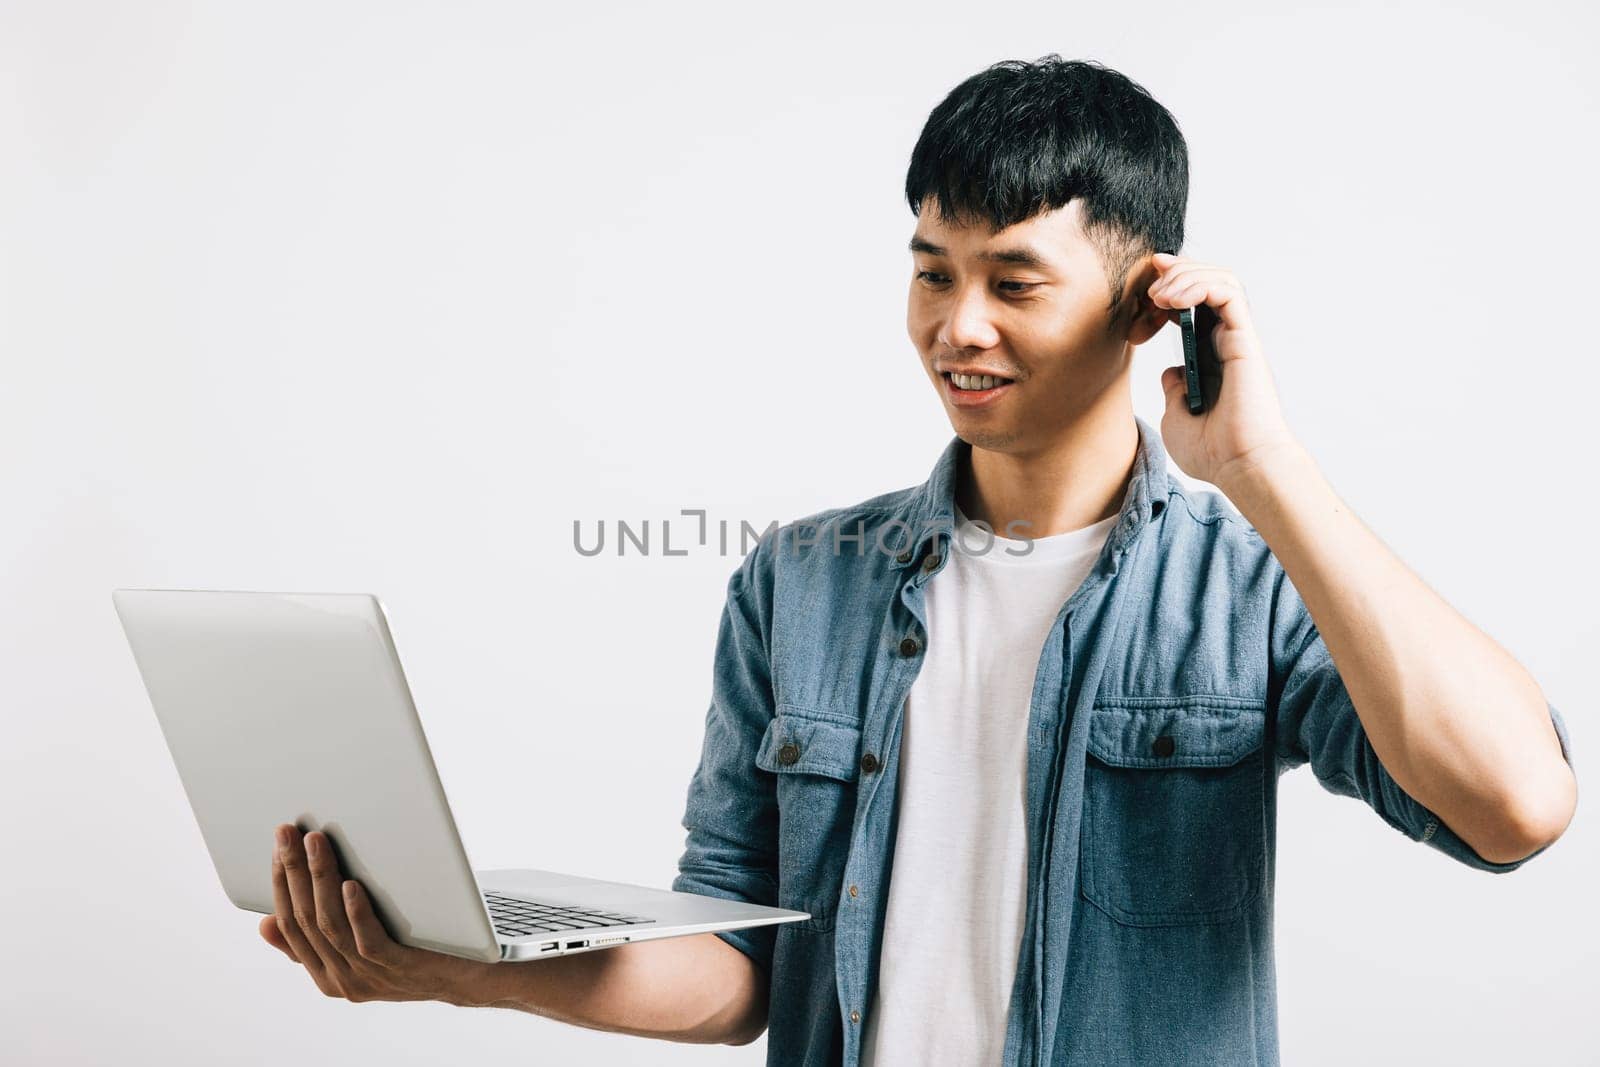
[{"x": 933, "y": 278}]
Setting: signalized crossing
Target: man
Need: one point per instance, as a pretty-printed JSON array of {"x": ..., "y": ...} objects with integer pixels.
[{"x": 1028, "y": 792}]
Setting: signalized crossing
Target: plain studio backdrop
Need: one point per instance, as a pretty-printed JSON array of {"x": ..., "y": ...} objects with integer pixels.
[{"x": 381, "y": 297}]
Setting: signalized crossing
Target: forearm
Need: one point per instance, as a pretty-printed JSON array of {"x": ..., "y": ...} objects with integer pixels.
[
  {"x": 696, "y": 989},
  {"x": 1455, "y": 720}
]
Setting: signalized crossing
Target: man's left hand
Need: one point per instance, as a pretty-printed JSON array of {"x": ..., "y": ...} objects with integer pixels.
[{"x": 1245, "y": 425}]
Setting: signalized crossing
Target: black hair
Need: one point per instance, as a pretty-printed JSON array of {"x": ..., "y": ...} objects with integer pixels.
[{"x": 1020, "y": 138}]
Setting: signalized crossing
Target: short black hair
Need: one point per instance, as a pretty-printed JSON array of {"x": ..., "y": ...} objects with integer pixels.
[{"x": 1020, "y": 138}]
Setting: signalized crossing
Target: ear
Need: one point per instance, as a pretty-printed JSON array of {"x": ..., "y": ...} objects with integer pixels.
[{"x": 1146, "y": 318}]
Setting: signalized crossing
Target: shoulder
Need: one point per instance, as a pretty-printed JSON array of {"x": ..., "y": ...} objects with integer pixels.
[
  {"x": 822, "y": 556},
  {"x": 1192, "y": 503},
  {"x": 1207, "y": 546},
  {"x": 876, "y": 510},
  {"x": 880, "y": 525},
  {"x": 1198, "y": 513}
]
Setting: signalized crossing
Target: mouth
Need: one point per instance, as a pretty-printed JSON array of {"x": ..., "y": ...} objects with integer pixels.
[
  {"x": 975, "y": 383},
  {"x": 972, "y": 390}
]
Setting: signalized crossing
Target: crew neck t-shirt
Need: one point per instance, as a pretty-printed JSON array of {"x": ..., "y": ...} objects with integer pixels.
[{"x": 958, "y": 885}]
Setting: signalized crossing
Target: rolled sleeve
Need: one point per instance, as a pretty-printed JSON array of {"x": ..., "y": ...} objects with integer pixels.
[
  {"x": 732, "y": 812},
  {"x": 1316, "y": 723}
]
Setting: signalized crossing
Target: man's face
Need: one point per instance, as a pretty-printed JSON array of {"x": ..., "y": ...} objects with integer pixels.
[{"x": 1029, "y": 304}]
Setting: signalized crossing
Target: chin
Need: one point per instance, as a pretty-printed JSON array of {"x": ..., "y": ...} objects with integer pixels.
[{"x": 988, "y": 438}]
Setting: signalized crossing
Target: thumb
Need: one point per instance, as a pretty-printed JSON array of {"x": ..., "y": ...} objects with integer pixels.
[
  {"x": 1172, "y": 384},
  {"x": 268, "y": 928}
]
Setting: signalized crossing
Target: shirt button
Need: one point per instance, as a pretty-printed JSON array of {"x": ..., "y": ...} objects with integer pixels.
[
  {"x": 904, "y": 557},
  {"x": 852, "y": 890},
  {"x": 931, "y": 564},
  {"x": 788, "y": 753},
  {"x": 1164, "y": 745},
  {"x": 909, "y": 646},
  {"x": 855, "y": 1016},
  {"x": 869, "y": 763}
]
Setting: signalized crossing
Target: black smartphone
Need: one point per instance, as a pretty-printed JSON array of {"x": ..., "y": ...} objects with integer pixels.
[{"x": 1202, "y": 374}]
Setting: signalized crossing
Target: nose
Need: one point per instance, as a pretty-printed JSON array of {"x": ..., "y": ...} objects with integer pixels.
[{"x": 967, "y": 325}]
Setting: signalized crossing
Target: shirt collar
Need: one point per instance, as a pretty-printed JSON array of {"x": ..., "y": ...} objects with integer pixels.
[{"x": 932, "y": 512}]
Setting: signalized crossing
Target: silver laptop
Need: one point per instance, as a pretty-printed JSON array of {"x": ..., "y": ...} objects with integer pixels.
[{"x": 291, "y": 707}]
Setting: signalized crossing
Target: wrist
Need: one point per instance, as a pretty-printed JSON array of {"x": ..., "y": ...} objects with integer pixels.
[
  {"x": 477, "y": 985},
  {"x": 1262, "y": 470}
]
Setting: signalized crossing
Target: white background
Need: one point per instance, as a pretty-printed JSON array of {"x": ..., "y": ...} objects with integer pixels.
[{"x": 383, "y": 297}]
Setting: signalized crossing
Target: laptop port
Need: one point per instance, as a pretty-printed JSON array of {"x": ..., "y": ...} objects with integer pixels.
[
  {"x": 549, "y": 946},
  {"x": 577, "y": 944}
]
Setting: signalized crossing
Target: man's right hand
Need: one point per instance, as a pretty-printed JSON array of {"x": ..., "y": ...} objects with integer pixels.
[
  {"x": 326, "y": 924},
  {"x": 693, "y": 989}
]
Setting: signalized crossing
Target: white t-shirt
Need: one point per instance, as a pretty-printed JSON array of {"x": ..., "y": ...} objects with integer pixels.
[{"x": 958, "y": 886}]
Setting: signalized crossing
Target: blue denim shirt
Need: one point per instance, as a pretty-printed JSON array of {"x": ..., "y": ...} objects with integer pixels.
[{"x": 1177, "y": 684}]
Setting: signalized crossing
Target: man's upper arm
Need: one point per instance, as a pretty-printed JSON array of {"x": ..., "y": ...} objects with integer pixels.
[
  {"x": 1316, "y": 722},
  {"x": 732, "y": 811}
]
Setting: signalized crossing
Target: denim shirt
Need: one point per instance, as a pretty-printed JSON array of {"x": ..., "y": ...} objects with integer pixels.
[{"x": 1179, "y": 681}]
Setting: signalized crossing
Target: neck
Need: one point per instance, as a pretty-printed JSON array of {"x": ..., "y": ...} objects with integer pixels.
[{"x": 1077, "y": 478}]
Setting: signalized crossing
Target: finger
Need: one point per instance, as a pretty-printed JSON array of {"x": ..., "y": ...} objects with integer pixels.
[
  {"x": 268, "y": 928},
  {"x": 1226, "y": 296},
  {"x": 372, "y": 940},
  {"x": 303, "y": 903},
  {"x": 294, "y": 936},
  {"x": 1175, "y": 389},
  {"x": 1219, "y": 290},
  {"x": 1179, "y": 278},
  {"x": 283, "y": 911},
  {"x": 1166, "y": 263},
  {"x": 1188, "y": 294},
  {"x": 1172, "y": 267},
  {"x": 325, "y": 879}
]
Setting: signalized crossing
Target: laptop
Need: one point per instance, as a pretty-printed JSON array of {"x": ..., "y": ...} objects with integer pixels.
[{"x": 292, "y": 707}]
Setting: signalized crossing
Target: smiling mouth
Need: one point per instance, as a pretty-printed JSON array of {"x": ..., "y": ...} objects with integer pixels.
[{"x": 975, "y": 383}]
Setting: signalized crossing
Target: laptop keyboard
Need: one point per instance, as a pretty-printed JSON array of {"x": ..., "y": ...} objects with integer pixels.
[{"x": 518, "y": 917}]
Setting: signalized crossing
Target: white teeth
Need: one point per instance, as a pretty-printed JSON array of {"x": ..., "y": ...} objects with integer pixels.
[{"x": 975, "y": 381}]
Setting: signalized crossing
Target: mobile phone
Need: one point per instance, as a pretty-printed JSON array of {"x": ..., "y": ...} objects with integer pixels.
[{"x": 1202, "y": 374}]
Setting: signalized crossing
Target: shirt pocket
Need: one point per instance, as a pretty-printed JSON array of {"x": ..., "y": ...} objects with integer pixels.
[
  {"x": 1174, "y": 816},
  {"x": 817, "y": 764}
]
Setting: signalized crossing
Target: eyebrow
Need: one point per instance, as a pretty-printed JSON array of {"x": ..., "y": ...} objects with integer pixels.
[{"x": 1022, "y": 256}]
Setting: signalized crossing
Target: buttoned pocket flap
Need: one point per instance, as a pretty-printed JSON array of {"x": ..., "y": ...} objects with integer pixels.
[
  {"x": 1173, "y": 821},
  {"x": 1176, "y": 731},
  {"x": 796, "y": 745}
]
